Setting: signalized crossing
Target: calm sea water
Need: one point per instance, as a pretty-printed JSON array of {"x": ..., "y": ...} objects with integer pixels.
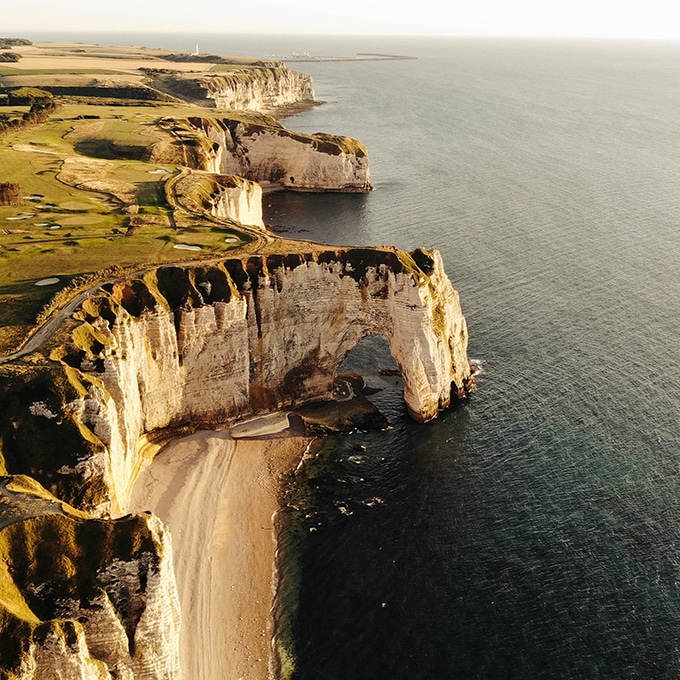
[{"x": 534, "y": 531}]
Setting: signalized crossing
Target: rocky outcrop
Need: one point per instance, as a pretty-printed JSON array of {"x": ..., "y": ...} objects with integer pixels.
[
  {"x": 260, "y": 149},
  {"x": 201, "y": 346},
  {"x": 266, "y": 87},
  {"x": 81, "y": 597},
  {"x": 258, "y": 89},
  {"x": 227, "y": 197}
]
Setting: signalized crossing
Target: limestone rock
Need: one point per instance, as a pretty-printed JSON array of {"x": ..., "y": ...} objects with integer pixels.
[
  {"x": 258, "y": 88},
  {"x": 264, "y": 87},
  {"x": 82, "y": 598},
  {"x": 260, "y": 149},
  {"x": 224, "y": 196},
  {"x": 202, "y": 346}
]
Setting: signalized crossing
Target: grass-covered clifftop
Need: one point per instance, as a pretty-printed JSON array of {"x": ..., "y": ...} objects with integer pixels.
[
  {"x": 95, "y": 177},
  {"x": 61, "y": 573}
]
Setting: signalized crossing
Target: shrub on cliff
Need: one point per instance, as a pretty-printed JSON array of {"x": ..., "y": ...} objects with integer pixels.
[
  {"x": 39, "y": 112},
  {"x": 9, "y": 43}
]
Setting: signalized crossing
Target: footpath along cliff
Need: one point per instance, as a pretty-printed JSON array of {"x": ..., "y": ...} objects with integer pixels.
[{"x": 88, "y": 592}]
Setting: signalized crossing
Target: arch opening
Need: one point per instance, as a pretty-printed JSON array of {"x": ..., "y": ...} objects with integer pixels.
[{"x": 374, "y": 374}]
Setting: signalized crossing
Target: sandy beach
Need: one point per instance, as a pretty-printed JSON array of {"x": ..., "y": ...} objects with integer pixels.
[{"x": 218, "y": 496}]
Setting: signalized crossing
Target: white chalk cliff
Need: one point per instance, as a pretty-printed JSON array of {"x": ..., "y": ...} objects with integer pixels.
[
  {"x": 237, "y": 338},
  {"x": 174, "y": 348},
  {"x": 262, "y": 150},
  {"x": 84, "y": 598},
  {"x": 257, "y": 89},
  {"x": 227, "y": 197}
]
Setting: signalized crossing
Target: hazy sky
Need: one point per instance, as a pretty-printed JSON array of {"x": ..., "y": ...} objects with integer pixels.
[{"x": 591, "y": 18}]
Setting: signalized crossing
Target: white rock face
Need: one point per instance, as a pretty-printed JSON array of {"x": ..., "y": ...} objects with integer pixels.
[
  {"x": 262, "y": 334},
  {"x": 119, "y": 621},
  {"x": 241, "y": 202},
  {"x": 288, "y": 159},
  {"x": 61, "y": 654},
  {"x": 201, "y": 346},
  {"x": 227, "y": 197},
  {"x": 259, "y": 89}
]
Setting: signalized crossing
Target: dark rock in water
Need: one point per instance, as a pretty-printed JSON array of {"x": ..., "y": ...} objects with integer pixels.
[
  {"x": 347, "y": 415},
  {"x": 348, "y": 385}
]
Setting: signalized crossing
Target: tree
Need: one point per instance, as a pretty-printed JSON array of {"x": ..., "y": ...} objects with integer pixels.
[{"x": 10, "y": 193}]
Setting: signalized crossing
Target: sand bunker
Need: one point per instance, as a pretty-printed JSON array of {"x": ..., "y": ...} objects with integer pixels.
[{"x": 186, "y": 246}]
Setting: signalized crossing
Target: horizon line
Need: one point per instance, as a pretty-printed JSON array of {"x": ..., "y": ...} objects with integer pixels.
[{"x": 278, "y": 34}]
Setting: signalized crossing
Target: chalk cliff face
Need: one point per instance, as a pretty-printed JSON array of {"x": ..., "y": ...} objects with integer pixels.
[
  {"x": 266, "y": 87},
  {"x": 83, "y": 598},
  {"x": 213, "y": 344},
  {"x": 238, "y": 200},
  {"x": 264, "y": 151},
  {"x": 86, "y": 597},
  {"x": 257, "y": 89},
  {"x": 227, "y": 197}
]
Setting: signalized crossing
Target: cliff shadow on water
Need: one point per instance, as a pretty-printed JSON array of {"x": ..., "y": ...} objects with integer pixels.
[{"x": 336, "y": 219}]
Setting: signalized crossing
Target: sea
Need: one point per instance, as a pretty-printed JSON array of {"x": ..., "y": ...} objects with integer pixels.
[{"x": 533, "y": 530}]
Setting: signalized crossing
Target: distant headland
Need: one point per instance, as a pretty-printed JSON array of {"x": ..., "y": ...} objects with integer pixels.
[{"x": 360, "y": 56}]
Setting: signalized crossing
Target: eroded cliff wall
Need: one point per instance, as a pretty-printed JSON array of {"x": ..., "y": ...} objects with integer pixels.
[
  {"x": 214, "y": 344},
  {"x": 258, "y": 89},
  {"x": 81, "y": 597},
  {"x": 266, "y": 87},
  {"x": 262, "y": 150},
  {"x": 227, "y": 197}
]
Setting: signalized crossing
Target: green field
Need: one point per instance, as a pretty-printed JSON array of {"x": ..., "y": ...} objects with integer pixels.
[
  {"x": 91, "y": 197},
  {"x": 62, "y": 231}
]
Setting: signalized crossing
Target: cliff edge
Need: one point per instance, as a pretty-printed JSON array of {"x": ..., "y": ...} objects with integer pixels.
[
  {"x": 121, "y": 362},
  {"x": 262, "y": 150},
  {"x": 208, "y": 345},
  {"x": 82, "y": 597}
]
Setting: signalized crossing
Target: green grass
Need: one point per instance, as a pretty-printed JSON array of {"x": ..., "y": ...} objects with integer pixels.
[
  {"x": 83, "y": 252},
  {"x": 95, "y": 232},
  {"x": 91, "y": 237}
]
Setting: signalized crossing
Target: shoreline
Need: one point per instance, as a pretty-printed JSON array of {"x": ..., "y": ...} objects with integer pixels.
[{"x": 220, "y": 498}]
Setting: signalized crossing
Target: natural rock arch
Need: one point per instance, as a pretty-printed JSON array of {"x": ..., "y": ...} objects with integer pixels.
[{"x": 204, "y": 346}]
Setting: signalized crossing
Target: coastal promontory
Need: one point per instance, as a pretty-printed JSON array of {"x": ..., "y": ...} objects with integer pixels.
[{"x": 143, "y": 299}]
